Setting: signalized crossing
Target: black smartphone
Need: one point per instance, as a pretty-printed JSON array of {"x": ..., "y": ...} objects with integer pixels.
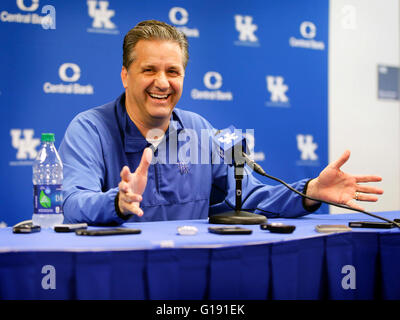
[
  {"x": 69, "y": 227},
  {"x": 106, "y": 231},
  {"x": 371, "y": 224},
  {"x": 26, "y": 227},
  {"x": 229, "y": 230},
  {"x": 277, "y": 227}
]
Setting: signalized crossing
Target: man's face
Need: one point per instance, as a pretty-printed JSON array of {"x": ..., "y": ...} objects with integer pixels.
[{"x": 154, "y": 81}]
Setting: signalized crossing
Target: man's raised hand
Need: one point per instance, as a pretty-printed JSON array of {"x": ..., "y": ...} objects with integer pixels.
[{"x": 132, "y": 185}]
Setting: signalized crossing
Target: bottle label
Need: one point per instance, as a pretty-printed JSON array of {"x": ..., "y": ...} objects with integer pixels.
[{"x": 47, "y": 199}]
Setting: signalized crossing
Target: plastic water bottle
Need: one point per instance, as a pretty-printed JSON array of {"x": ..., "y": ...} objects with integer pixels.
[{"x": 47, "y": 185}]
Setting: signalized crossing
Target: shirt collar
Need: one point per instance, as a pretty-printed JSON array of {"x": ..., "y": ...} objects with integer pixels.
[{"x": 133, "y": 139}]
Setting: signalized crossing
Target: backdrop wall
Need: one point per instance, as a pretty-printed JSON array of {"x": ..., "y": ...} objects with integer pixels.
[
  {"x": 258, "y": 65},
  {"x": 364, "y": 35}
]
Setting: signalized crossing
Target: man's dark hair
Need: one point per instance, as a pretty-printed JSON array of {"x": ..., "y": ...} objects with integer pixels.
[{"x": 152, "y": 30}]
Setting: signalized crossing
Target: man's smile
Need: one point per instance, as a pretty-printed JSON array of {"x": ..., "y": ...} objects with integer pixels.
[{"x": 159, "y": 96}]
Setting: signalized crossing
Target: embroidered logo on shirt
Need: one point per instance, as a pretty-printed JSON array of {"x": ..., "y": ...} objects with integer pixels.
[{"x": 183, "y": 167}]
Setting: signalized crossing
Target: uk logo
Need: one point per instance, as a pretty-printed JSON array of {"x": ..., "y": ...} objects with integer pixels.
[
  {"x": 277, "y": 89},
  {"x": 307, "y": 147},
  {"x": 25, "y": 144},
  {"x": 228, "y": 138},
  {"x": 101, "y": 15},
  {"x": 183, "y": 167},
  {"x": 246, "y": 28}
]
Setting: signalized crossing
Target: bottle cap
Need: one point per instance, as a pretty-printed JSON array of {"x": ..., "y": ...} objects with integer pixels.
[{"x": 48, "y": 137}]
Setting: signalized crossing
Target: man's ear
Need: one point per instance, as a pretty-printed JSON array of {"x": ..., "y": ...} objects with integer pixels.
[{"x": 124, "y": 77}]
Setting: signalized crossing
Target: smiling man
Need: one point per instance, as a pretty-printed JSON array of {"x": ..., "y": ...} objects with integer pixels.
[
  {"x": 109, "y": 175},
  {"x": 153, "y": 83}
]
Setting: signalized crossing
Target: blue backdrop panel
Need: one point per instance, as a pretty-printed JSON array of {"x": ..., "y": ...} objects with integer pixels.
[{"x": 259, "y": 65}]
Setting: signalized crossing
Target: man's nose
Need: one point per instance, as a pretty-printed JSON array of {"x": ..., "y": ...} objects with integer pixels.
[{"x": 161, "y": 81}]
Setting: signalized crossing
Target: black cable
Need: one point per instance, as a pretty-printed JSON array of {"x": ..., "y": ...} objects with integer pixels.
[{"x": 257, "y": 168}]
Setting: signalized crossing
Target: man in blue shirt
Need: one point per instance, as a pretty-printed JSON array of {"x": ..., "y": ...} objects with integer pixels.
[{"x": 126, "y": 160}]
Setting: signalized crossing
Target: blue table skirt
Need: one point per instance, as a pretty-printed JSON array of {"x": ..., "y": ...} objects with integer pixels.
[{"x": 160, "y": 264}]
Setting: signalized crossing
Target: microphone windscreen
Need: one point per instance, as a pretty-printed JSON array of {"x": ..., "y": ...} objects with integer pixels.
[{"x": 230, "y": 144}]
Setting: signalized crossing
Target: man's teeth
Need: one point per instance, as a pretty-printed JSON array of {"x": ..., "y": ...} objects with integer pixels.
[{"x": 157, "y": 96}]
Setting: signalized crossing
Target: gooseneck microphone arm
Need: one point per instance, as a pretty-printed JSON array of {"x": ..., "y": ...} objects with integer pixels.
[{"x": 257, "y": 168}]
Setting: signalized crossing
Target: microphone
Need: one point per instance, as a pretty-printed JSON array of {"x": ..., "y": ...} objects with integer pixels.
[
  {"x": 231, "y": 145},
  {"x": 232, "y": 148}
]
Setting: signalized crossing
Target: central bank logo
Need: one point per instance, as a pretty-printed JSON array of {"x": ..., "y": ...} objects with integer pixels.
[
  {"x": 27, "y": 14},
  {"x": 180, "y": 17},
  {"x": 34, "y": 5},
  {"x": 308, "y": 31},
  {"x": 307, "y": 147},
  {"x": 101, "y": 15},
  {"x": 278, "y": 92},
  {"x": 25, "y": 144},
  {"x": 69, "y": 73},
  {"x": 73, "y": 76},
  {"x": 213, "y": 81},
  {"x": 246, "y": 28}
]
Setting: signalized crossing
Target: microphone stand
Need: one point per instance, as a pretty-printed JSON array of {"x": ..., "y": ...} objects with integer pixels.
[{"x": 238, "y": 216}]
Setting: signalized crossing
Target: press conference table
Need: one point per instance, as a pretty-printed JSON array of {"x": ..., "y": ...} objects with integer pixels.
[{"x": 161, "y": 264}]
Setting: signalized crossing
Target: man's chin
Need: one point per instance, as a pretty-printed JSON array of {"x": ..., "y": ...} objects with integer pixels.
[{"x": 161, "y": 113}]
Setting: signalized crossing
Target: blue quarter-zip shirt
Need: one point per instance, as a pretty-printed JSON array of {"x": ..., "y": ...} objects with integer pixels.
[{"x": 100, "y": 141}]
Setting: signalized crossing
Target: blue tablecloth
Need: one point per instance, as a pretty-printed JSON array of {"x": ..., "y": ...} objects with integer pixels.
[{"x": 161, "y": 264}]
